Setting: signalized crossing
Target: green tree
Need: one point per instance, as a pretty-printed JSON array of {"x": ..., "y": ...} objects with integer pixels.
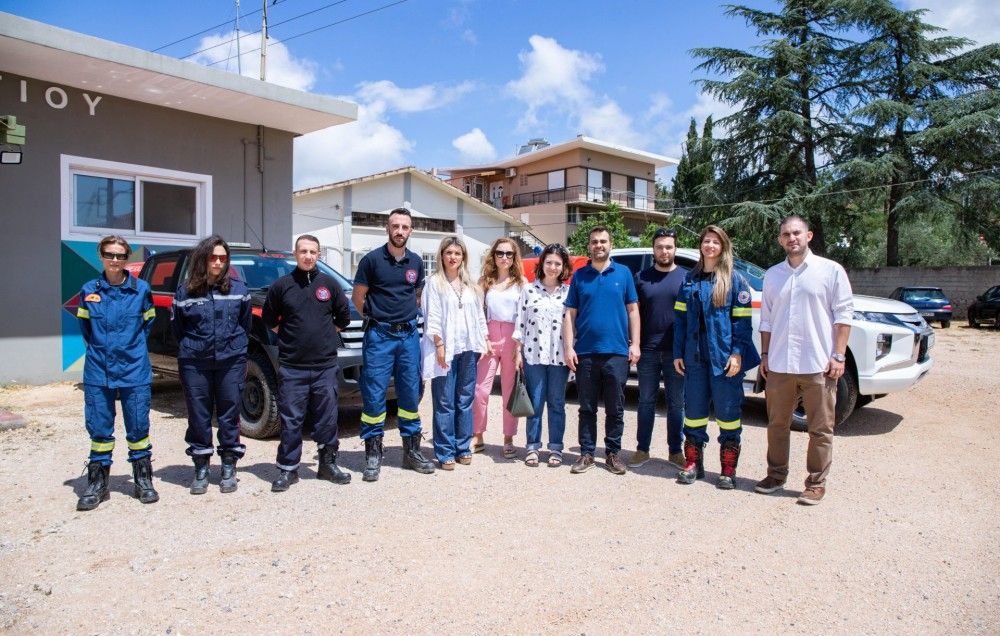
[
  {"x": 927, "y": 130},
  {"x": 610, "y": 218}
]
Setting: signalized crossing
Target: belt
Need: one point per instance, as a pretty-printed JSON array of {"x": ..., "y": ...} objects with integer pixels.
[{"x": 395, "y": 327}]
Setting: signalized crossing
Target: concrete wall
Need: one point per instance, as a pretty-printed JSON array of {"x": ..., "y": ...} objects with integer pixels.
[
  {"x": 39, "y": 340},
  {"x": 960, "y": 284}
]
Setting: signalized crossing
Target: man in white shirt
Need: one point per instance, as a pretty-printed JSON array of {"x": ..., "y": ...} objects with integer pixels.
[{"x": 804, "y": 324}]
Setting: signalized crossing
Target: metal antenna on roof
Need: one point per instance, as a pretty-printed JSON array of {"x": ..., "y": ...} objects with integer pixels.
[
  {"x": 263, "y": 43},
  {"x": 239, "y": 55}
]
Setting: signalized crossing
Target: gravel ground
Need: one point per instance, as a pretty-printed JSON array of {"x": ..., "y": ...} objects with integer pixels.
[{"x": 905, "y": 541}]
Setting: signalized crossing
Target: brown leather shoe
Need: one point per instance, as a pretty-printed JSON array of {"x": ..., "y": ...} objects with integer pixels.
[
  {"x": 812, "y": 495},
  {"x": 615, "y": 464},
  {"x": 582, "y": 465},
  {"x": 768, "y": 485}
]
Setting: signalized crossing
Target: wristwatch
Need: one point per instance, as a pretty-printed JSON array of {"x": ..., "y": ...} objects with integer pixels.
[{"x": 839, "y": 357}]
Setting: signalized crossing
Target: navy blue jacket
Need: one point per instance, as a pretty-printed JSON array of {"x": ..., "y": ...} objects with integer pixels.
[
  {"x": 115, "y": 321},
  {"x": 728, "y": 329},
  {"x": 213, "y": 328}
]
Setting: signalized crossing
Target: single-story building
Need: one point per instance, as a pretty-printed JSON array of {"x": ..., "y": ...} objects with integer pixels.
[
  {"x": 123, "y": 141},
  {"x": 349, "y": 217}
]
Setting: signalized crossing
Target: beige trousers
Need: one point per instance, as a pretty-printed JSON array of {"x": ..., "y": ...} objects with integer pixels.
[{"x": 819, "y": 396}]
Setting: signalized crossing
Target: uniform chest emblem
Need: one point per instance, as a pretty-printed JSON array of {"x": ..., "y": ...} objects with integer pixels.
[
  {"x": 92, "y": 298},
  {"x": 411, "y": 276},
  {"x": 322, "y": 294},
  {"x": 743, "y": 297}
]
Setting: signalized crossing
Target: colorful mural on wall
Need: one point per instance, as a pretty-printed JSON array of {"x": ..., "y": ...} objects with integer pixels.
[{"x": 81, "y": 263}]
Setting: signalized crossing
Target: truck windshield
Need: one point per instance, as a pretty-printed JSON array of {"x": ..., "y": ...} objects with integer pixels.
[{"x": 260, "y": 270}]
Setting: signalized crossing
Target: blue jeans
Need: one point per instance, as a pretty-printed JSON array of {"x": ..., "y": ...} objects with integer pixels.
[
  {"x": 99, "y": 415},
  {"x": 653, "y": 367},
  {"x": 596, "y": 374},
  {"x": 389, "y": 355},
  {"x": 704, "y": 392},
  {"x": 546, "y": 385},
  {"x": 452, "y": 396}
]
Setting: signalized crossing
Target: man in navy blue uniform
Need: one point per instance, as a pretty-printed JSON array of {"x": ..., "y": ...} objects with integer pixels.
[
  {"x": 307, "y": 308},
  {"x": 116, "y": 312},
  {"x": 657, "y": 287},
  {"x": 601, "y": 339},
  {"x": 387, "y": 290}
]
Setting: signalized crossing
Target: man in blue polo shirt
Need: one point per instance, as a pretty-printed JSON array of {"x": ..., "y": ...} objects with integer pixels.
[
  {"x": 601, "y": 337},
  {"x": 387, "y": 288}
]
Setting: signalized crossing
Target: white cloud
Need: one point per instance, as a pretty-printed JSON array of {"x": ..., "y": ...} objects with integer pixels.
[
  {"x": 366, "y": 146},
  {"x": 411, "y": 100},
  {"x": 978, "y": 20},
  {"x": 469, "y": 36},
  {"x": 219, "y": 51},
  {"x": 609, "y": 122},
  {"x": 554, "y": 76},
  {"x": 475, "y": 147}
]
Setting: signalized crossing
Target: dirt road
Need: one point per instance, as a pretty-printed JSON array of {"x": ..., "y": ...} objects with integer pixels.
[{"x": 906, "y": 540}]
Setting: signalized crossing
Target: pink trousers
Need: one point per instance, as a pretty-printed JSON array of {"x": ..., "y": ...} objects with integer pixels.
[{"x": 503, "y": 356}]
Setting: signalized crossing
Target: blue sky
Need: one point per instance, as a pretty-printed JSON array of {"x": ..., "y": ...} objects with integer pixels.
[{"x": 444, "y": 83}]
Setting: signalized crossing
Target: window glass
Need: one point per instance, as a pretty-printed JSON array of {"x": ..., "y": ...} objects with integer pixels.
[
  {"x": 557, "y": 180},
  {"x": 430, "y": 263},
  {"x": 161, "y": 279},
  {"x": 632, "y": 261},
  {"x": 641, "y": 191},
  {"x": 922, "y": 295},
  {"x": 104, "y": 202},
  {"x": 169, "y": 208}
]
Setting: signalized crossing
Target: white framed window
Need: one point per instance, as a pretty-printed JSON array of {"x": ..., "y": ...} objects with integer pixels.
[
  {"x": 430, "y": 262},
  {"x": 102, "y": 197},
  {"x": 641, "y": 190},
  {"x": 557, "y": 180}
]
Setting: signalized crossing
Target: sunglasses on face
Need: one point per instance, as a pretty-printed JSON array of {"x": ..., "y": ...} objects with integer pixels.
[
  {"x": 217, "y": 258},
  {"x": 503, "y": 254},
  {"x": 111, "y": 256}
]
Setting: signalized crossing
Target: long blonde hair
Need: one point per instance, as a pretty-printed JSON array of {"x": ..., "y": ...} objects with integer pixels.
[
  {"x": 441, "y": 280},
  {"x": 723, "y": 269},
  {"x": 490, "y": 270}
]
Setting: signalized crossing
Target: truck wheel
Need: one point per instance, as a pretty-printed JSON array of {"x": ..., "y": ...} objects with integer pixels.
[
  {"x": 259, "y": 410},
  {"x": 973, "y": 322},
  {"x": 847, "y": 400}
]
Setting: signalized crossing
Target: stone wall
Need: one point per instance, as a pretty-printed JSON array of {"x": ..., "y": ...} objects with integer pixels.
[{"x": 960, "y": 284}]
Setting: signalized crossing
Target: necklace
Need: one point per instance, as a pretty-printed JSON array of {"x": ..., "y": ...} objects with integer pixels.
[{"x": 459, "y": 291}]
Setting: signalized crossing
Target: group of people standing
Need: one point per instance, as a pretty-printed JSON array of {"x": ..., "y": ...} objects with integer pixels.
[{"x": 690, "y": 330}]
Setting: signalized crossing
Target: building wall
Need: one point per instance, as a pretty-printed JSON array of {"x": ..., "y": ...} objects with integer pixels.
[
  {"x": 960, "y": 284},
  {"x": 39, "y": 336}
]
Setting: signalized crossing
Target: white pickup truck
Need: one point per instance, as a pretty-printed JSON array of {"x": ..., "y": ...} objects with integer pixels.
[{"x": 888, "y": 349}]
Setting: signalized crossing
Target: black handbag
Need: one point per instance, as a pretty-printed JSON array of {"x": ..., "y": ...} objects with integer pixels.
[{"x": 519, "y": 402}]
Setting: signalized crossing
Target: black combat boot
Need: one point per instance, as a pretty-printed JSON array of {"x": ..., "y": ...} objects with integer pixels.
[
  {"x": 200, "y": 484},
  {"x": 285, "y": 480},
  {"x": 413, "y": 458},
  {"x": 228, "y": 482},
  {"x": 97, "y": 487},
  {"x": 373, "y": 458},
  {"x": 142, "y": 475},
  {"x": 694, "y": 464},
  {"x": 729, "y": 456},
  {"x": 328, "y": 468}
]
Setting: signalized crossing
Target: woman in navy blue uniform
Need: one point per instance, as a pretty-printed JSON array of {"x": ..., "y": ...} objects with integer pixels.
[
  {"x": 713, "y": 349},
  {"x": 211, "y": 322},
  {"x": 116, "y": 312}
]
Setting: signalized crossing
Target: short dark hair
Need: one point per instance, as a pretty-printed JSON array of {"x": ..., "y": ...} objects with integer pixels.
[
  {"x": 793, "y": 217},
  {"x": 662, "y": 232},
  {"x": 561, "y": 252},
  {"x": 114, "y": 239},
  {"x": 598, "y": 228},
  {"x": 306, "y": 237},
  {"x": 403, "y": 211}
]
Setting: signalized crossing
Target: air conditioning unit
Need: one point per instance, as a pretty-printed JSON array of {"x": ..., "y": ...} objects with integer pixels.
[{"x": 511, "y": 173}]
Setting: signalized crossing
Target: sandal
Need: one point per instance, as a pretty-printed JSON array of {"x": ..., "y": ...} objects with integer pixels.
[
  {"x": 478, "y": 448},
  {"x": 531, "y": 459},
  {"x": 448, "y": 465},
  {"x": 464, "y": 460},
  {"x": 509, "y": 452},
  {"x": 555, "y": 459}
]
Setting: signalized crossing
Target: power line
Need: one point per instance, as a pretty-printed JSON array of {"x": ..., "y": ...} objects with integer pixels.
[
  {"x": 325, "y": 26},
  {"x": 212, "y": 28}
]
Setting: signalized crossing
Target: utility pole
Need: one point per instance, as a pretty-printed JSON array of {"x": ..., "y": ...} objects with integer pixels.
[
  {"x": 239, "y": 55},
  {"x": 263, "y": 43}
]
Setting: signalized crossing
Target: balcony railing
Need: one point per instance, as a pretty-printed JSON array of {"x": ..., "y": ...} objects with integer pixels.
[{"x": 580, "y": 193}]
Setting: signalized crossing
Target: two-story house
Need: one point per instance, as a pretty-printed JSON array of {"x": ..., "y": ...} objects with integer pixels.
[{"x": 552, "y": 188}]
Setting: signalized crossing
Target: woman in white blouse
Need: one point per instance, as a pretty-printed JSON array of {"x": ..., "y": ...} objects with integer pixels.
[
  {"x": 454, "y": 338},
  {"x": 501, "y": 282},
  {"x": 538, "y": 335}
]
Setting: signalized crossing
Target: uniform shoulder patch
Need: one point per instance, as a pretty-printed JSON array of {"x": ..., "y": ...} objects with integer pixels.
[
  {"x": 323, "y": 294},
  {"x": 92, "y": 298},
  {"x": 743, "y": 297},
  {"x": 411, "y": 276}
]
